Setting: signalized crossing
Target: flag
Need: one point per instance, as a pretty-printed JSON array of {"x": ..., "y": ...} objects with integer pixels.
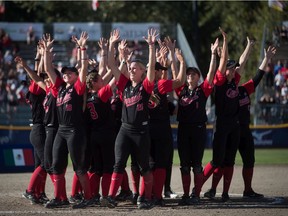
[
  {"x": 95, "y": 5},
  {"x": 18, "y": 157},
  {"x": 2, "y": 7},
  {"x": 277, "y": 5}
]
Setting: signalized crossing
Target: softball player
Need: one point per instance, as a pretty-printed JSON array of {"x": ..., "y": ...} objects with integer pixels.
[
  {"x": 71, "y": 135},
  {"x": 191, "y": 137},
  {"x": 227, "y": 132},
  {"x": 133, "y": 136},
  {"x": 162, "y": 143},
  {"x": 35, "y": 191},
  {"x": 246, "y": 145}
]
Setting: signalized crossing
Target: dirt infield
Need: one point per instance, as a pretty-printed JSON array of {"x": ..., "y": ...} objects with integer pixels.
[{"x": 272, "y": 181}]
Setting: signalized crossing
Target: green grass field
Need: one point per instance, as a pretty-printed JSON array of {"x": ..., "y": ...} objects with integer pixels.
[{"x": 262, "y": 157}]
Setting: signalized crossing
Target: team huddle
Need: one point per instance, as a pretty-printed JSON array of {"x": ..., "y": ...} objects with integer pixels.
[{"x": 100, "y": 114}]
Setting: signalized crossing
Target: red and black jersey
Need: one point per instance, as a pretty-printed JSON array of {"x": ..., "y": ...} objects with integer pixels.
[
  {"x": 192, "y": 103},
  {"x": 49, "y": 104},
  {"x": 226, "y": 96},
  {"x": 98, "y": 113},
  {"x": 70, "y": 104},
  {"x": 135, "y": 101},
  {"x": 245, "y": 90},
  {"x": 35, "y": 98},
  {"x": 158, "y": 103}
]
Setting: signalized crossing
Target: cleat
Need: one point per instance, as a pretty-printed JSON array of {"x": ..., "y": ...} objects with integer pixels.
[
  {"x": 252, "y": 194},
  {"x": 124, "y": 195},
  {"x": 55, "y": 203},
  {"x": 140, "y": 199},
  {"x": 185, "y": 200},
  {"x": 170, "y": 194},
  {"x": 83, "y": 204},
  {"x": 30, "y": 196},
  {"x": 134, "y": 198},
  {"x": 194, "y": 199},
  {"x": 145, "y": 204},
  {"x": 96, "y": 199},
  {"x": 77, "y": 198},
  {"x": 225, "y": 197},
  {"x": 210, "y": 193},
  {"x": 159, "y": 202},
  {"x": 108, "y": 202},
  {"x": 43, "y": 199}
]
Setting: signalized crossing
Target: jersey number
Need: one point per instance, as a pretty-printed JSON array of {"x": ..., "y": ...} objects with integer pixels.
[{"x": 93, "y": 113}]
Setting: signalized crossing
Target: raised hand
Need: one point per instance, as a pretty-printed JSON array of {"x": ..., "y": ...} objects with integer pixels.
[
  {"x": 114, "y": 36},
  {"x": 151, "y": 36},
  {"x": 103, "y": 43},
  {"x": 169, "y": 43},
  {"x": 82, "y": 40},
  {"x": 179, "y": 55},
  {"x": 214, "y": 46},
  {"x": 270, "y": 52}
]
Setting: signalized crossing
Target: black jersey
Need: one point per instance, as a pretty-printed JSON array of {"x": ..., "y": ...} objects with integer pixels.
[
  {"x": 98, "y": 111},
  {"x": 244, "y": 101},
  {"x": 70, "y": 104},
  {"x": 158, "y": 102},
  {"x": 192, "y": 103},
  {"x": 135, "y": 101},
  {"x": 50, "y": 118},
  {"x": 35, "y": 98},
  {"x": 226, "y": 96},
  {"x": 116, "y": 105}
]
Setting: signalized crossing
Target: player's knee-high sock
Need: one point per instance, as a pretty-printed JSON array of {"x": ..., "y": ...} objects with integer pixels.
[
  {"x": 247, "y": 174},
  {"x": 217, "y": 175},
  {"x": 228, "y": 173},
  {"x": 198, "y": 181},
  {"x": 135, "y": 179},
  {"x": 146, "y": 187},
  {"x": 75, "y": 185},
  {"x": 105, "y": 184},
  {"x": 42, "y": 182},
  {"x": 84, "y": 180},
  {"x": 35, "y": 179},
  {"x": 116, "y": 181},
  {"x": 125, "y": 182},
  {"x": 186, "y": 181},
  {"x": 94, "y": 180},
  {"x": 59, "y": 185},
  {"x": 159, "y": 176},
  {"x": 208, "y": 170}
]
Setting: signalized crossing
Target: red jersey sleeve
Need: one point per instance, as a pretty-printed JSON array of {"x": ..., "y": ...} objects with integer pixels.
[
  {"x": 249, "y": 86},
  {"x": 122, "y": 82},
  {"x": 148, "y": 86},
  {"x": 165, "y": 86},
  {"x": 35, "y": 89},
  {"x": 105, "y": 93},
  {"x": 237, "y": 78},
  {"x": 178, "y": 90},
  {"x": 207, "y": 88},
  {"x": 80, "y": 87},
  {"x": 219, "y": 78},
  {"x": 55, "y": 87}
]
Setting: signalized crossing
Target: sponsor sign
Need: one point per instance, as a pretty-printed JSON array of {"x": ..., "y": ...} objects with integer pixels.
[{"x": 135, "y": 31}]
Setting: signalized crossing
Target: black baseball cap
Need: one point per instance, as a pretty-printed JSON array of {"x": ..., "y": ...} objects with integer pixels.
[
  {"x": 158, "y": 66},
  {"x": 193, "y": 69},
  {"x": 231, "y": 64},
  {"x": 73, "y": 69}
]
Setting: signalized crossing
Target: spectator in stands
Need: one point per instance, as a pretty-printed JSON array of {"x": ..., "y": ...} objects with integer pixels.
[
  {"x": 278, "y": 81},
  {"x": 30, "y": 37},
  {"x": 276, "y": 36},
  {"x": 6, "y": 42},
  {"x": 284, "y": 93},
  {"x": 12, "y": 100},
  {"x": 277, "y": 67}
]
